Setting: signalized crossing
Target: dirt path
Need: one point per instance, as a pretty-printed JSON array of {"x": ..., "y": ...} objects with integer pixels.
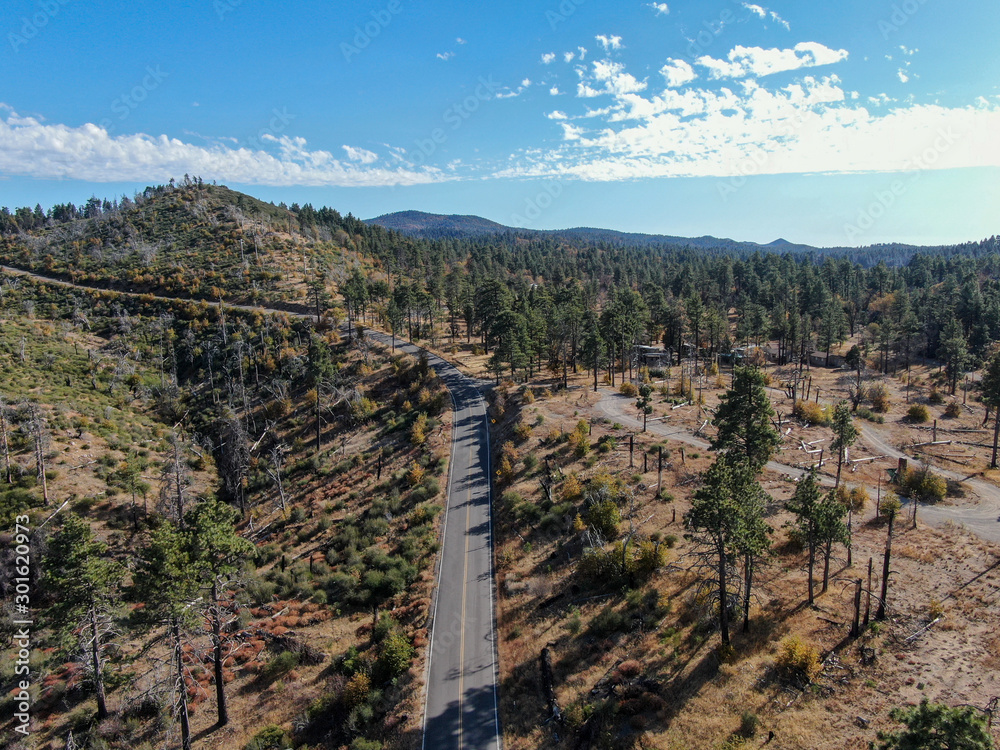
[{"x": 980, "y": 514}]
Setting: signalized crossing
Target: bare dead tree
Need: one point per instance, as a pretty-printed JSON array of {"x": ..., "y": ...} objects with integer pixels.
[
  {"x": 175, "y": 478},
  {"x": 35, "y": 426},
  {"x": 6, "y": 443}
]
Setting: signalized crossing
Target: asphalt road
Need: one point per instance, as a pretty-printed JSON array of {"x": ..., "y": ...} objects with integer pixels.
[
  {"x": 462, "y": 707},
  {"x": 461, "y": 703}
]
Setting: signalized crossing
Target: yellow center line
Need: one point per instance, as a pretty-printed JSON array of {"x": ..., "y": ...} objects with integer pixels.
[{"x": 461, "y": 651}]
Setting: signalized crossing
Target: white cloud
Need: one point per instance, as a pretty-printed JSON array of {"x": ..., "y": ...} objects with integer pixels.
[
  {"x": 608, "y": 42},
  {"x": 360, "y": 154},
  {"x": 459, "y": 40},
  {"x": 88, "y": 152},
  {"x": 756, "y": 10},
  {"x": 616, "y": 82},
  {"x": 569, "y": 56},
  {"x": 661, "y": 9},
  {"x": 903, "y": 76},
  {"x": 757, "y": 62},
  {"x": 581, "y": 52},
  {"x": 548, "y": 57},
  {"x": 811, "y": 125},
  {"x": 445, "y": 55},
  {"x": 554, "y": 91},
  {"x": 677, "y": 73},
  {"x": 907, "y": 51}
]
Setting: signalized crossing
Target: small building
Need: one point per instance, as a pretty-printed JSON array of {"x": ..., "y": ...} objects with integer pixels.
[{"x": 651, "y": 356}]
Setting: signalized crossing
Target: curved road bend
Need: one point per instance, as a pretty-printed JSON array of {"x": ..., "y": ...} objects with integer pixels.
[
  {"x": 461, "y": 704},
  {"x": 461, "y": 710}
]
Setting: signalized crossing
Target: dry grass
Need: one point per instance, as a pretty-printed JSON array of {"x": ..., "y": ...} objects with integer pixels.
[{"x": 702, "y": 692}]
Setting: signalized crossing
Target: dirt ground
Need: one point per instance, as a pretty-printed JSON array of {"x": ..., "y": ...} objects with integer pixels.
[{"x": 939, "y": 639}]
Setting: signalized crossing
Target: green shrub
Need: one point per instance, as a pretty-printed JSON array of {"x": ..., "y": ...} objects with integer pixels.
[
  {"x": 749, "y": 722},
  {"x": 918, "y": 413},
  {"x": 394, "y": 657},
  {"x": 607, "y": 622},
  {"x": 604, "y": 517},
  {"x": 923, "y": 484},
  {"x": 270, "y": 737},
  {"x": 952, "y": 410},
  {"x": 879, "y": 396},
  {"x": 280, "y": 665}
]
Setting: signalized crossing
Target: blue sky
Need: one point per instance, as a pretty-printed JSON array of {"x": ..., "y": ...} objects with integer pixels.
[{"x": 847, "y": 123}]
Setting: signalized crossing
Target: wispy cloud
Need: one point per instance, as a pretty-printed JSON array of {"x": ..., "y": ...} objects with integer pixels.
[
  {"x": 765, "y": 13},
  {"x": 33, "y": 148},
  {"x": 661, "y": 9},
  {"x": 509, "y": 93},
  {"x": 903, "y": 75},
  {"x": 445, "y": 56},
  {"x": 548, "y": 57},
  {"x": 780, "y": 21}
]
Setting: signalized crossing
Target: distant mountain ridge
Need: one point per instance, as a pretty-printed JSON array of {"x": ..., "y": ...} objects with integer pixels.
[{"x": 437, "y": 226}]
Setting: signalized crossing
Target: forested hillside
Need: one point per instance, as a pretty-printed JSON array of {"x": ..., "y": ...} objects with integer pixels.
[{"x": 197, "y": 428}]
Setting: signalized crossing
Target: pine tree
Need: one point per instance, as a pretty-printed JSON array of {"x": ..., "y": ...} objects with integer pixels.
[
  {"x": 991, "y": 397},
  {"x": 845, "y": 434},
  {"x": 934, "y": 726},
  {"x": 84, "y": 583},
  {"x": 726, "y": 520},
  {"x": 164, "y": 581},
  {"x": 216, "y": 554},
  {"x": 743, "y": 420},
  {"x": 830, "y": 530},
  {"x": 805, "y": 505}
]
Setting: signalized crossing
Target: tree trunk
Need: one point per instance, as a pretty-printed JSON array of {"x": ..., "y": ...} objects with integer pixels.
[
  {"x": 868, "y": 598},
  {"x": 723, "y": 598},
  {"x": 827, "y": 552},
  {"x": 812, "y": 563},
  {"x": 181, "y": 687},
  {"x": 856, "y": 623},
  {"x": 220, "y": 686},
  {"x": 993, "y": 461},
  {"x": 95, "y": 661},
  {"x": 748, "y": 587},
  {"x": 177, "y": 480},
  {"x": 880, "y": 613},
  {"x": 6, "y": 445}
]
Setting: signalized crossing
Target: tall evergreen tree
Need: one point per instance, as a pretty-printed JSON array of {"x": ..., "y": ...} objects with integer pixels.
[
  {"x": 743, "y": 420},
  {"x": 84, "y": 582}
]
